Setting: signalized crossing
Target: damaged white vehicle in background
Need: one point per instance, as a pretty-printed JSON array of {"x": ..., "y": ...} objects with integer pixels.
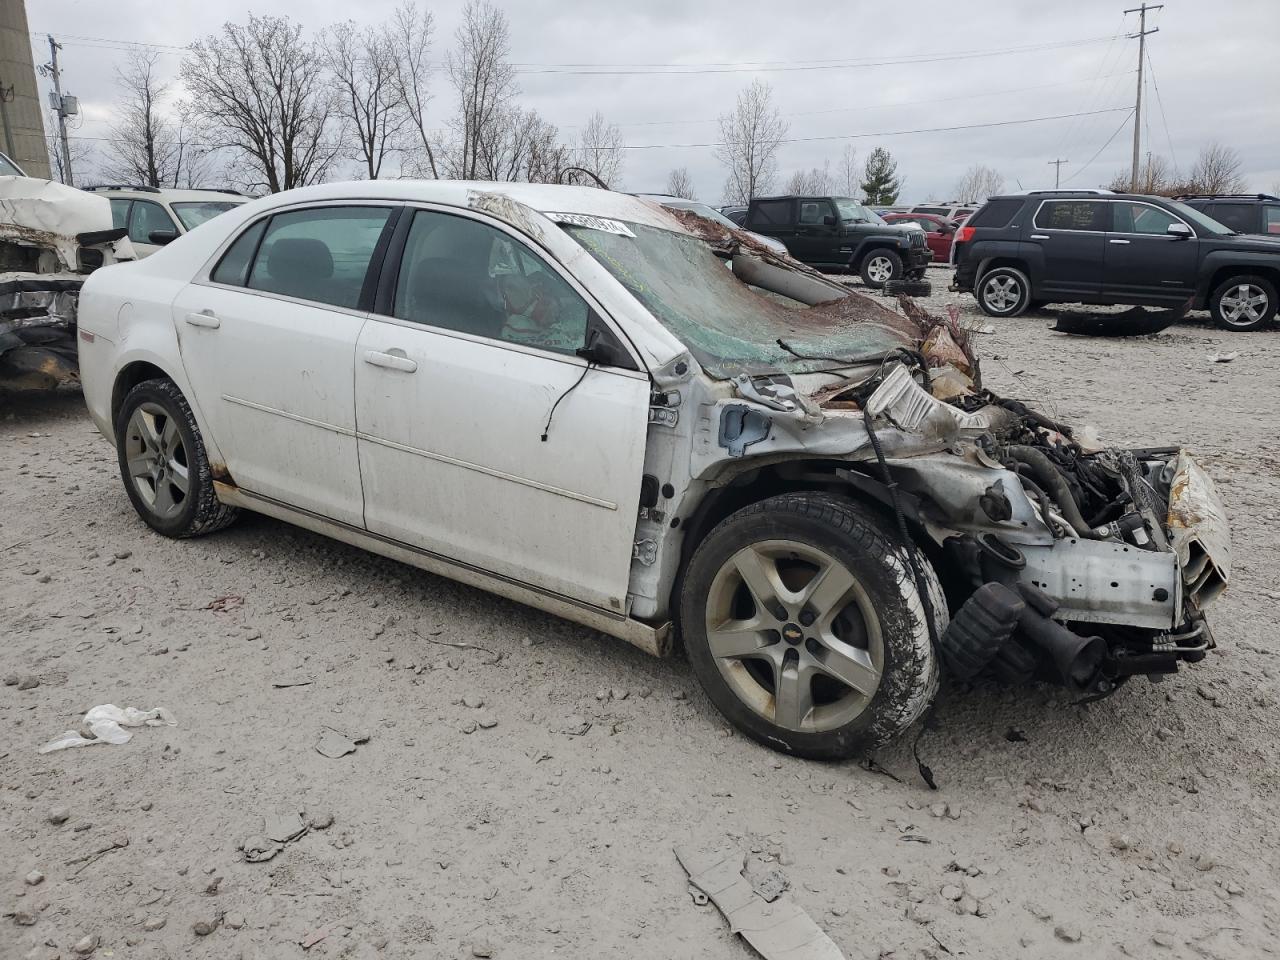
[
  {"x": 51, "y": 236},
  {"x": 561, "y": 395}
]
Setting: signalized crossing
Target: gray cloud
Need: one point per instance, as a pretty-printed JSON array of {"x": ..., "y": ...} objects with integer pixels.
[{"x": 1214, "y": 67}]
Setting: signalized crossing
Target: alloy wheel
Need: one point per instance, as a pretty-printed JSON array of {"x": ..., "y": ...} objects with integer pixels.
[
  {"x": 795, "y": 635},
  {"x": 1244, "y": 304},
  {"x": 157, "y": 460},
  {"x": 880, "y": 269},
  {"x": 1001, "y": 293}
]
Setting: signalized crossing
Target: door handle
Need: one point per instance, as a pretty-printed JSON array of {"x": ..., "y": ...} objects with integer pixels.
[
  {"x": 390, "y": 361},
  {"x": 1117, "y": 241},
  {"x": 205, "y": 319},
  {"x": 1039, "y": 236}
]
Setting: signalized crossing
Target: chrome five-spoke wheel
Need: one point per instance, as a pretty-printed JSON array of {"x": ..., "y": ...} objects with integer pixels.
[{"x": 157, "y": 458}]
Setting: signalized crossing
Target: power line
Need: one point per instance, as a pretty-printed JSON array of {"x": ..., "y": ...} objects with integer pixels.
[
  {"x": 1163, "y": 119},
  {"x": 1129, "y": 113},
  {"x": 1142, "y": 34}
]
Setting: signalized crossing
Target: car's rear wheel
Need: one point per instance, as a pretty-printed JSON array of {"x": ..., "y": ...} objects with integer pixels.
[
  {"x": 803, "y": 623},
  {"x": 1243, "y": 303},
  {"x": 163, "y": 462},
  {"x": 879, "y": 267},
  {"x": 1003, "y": 292}
]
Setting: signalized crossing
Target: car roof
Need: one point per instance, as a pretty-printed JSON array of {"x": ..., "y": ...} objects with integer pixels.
[
  {"x": 543, "y": 197},
  {"x": 165, "y": 193}
]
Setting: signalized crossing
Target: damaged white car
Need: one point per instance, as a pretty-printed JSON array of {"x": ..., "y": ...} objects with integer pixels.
[
  {"x": 562, "y": 395},
  {"x": 51, "y": 236}
]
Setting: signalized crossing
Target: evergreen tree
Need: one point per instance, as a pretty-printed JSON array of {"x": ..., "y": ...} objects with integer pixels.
[{"x": 880, "y": 181}]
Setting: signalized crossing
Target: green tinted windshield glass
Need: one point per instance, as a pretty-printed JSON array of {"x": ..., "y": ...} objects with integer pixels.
[
  {"x": 729, "y": 327},
  {"x": 195, "y": 213},
  {"x": 851, "y": 211}
]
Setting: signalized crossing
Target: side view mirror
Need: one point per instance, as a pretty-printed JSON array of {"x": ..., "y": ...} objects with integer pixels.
[
  {"x": 1179, "y": 231},
  {"x": 828, "y": 221},
  {"x": 161, "y": 237},
  {"x": 603, "y": 350}
]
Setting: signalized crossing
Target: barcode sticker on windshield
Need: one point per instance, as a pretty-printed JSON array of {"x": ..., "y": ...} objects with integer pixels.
[{"x": 592, "y": 223}]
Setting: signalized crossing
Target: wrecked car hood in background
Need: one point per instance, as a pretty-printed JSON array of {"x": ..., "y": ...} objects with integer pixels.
[{"x": 42, "y": 213}]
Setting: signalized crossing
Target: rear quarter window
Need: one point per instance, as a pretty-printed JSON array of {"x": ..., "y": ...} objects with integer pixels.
[
  {"x": 771, "y": 213},
  {"x": 997, "y": 213},
  {"x": 1240, "y": 217}
]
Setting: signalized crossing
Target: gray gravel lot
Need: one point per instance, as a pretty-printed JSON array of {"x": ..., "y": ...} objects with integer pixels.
[{"x": 478, "y": 818}]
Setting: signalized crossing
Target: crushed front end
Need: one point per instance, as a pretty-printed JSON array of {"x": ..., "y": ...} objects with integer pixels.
[{"x": 51, "y": 236}]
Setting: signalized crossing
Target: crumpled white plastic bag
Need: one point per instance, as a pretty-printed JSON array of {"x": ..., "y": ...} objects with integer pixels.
[{"x": 107, "y": 722}]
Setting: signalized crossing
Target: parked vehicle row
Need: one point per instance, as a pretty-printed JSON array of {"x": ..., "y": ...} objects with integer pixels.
[
  {"x": 154, "y": 216},
  {"x": 1098, "y": 247}
]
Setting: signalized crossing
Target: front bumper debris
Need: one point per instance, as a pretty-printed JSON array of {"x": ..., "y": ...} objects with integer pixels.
[
  {"x": 1198, "y": 532},
  {"x": 38, "y": 331}
]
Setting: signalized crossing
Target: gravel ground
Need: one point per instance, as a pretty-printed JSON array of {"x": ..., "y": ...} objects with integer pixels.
[{"x": 478, "y": 818}]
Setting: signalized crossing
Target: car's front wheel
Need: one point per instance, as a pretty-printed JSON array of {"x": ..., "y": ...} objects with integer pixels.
[
  {"x": 802, "y": 621},
  {"x": 1004, "y": 292},
  {"x": 879, "y": 267},
  {"x": 163, "y": 462},
  {"x": 1243, "y": 303}
]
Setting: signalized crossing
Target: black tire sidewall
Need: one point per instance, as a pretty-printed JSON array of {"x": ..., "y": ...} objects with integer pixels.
[
  {"x": 1215, "y": 303},
  {"x": 891, "y": 256},
  {"x": 161, "y": 393},
  {"x": 1024, "y": 299},
  {"x": 865, "y": 554}
]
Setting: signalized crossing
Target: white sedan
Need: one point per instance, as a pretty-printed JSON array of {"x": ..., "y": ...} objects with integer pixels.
[{"x": 560, "y": 395}]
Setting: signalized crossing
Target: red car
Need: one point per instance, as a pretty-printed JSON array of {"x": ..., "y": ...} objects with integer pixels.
[{"x": 938, "y": 231}]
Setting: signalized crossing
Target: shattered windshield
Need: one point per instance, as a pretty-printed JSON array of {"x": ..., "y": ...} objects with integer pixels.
[
  {"x": 729, "y": 327},
  {"x": 197, "y": 212}
]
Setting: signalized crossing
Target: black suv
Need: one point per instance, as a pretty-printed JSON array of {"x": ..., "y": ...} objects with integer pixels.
[
  {"x": 1242, "y": 212},
  {"x": 837, "y": 234},
  {"x": 1090, "y": 246}
]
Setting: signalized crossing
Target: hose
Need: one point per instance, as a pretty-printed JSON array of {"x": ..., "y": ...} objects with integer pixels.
[{"x": 1049, "y": 477}]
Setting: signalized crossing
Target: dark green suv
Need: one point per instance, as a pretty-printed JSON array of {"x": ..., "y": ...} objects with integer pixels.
[{"x": 838, "y": 235}]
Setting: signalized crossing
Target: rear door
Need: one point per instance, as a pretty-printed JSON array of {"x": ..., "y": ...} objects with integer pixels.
[
  {"x": 483, "y": 438},
  {"x": 775, "y": 218},
  {"x": 816, "y": 240},
  {"x": 1066, "y": 248},
  {"x": 268, "y": 341},
  {"x": 1144, "y": 263}
]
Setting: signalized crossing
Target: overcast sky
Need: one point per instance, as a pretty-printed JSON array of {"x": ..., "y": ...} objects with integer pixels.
[{"x": 1214, "y": 64}]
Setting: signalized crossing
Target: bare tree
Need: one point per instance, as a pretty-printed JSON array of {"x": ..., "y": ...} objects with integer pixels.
[
  {"x": 1217, "y": 170},
  {"x": 81, "y": 154},
  {"x": 816, "y": 181},
  {"x": 978, "y": 183},
  {"x": 680, "y": 184},
  {"x": 600, "y": 149},
  {"x": 261, "y": 90},
  {"x": 142, "y": 149},
  {"x": 750, "y": 137},
  {"x": 485, "y": 83},
  {"x": 848, "y": 173},
  {"x": 363, "y": 68},
  {"x": 409, "y": 38},
  {"x": 1155, "y": 178}
]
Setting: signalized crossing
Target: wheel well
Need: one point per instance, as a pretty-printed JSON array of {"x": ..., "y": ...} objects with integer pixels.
[
  {"x": 128, "y": 378},
  {"x": 994, "y": 262},
  {"x": 871, "y": 246},
  {"x": 1223, "y": 274}
]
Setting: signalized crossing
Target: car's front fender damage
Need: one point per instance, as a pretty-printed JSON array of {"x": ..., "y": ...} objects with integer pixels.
[{"x": 1062, "y": 561}]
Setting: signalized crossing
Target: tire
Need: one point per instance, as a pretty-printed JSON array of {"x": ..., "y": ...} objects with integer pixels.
[
  {"x": 880, "y": 266},
  {"x": 873, "y": 632},
  {"x": 157, "y": 433},
  {"x": 909, "y": 288},
  {"x": 1003, "y": 292},
  {"x": 1243, "y": 303}
]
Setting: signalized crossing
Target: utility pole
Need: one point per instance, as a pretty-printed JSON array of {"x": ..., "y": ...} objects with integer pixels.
[
  {"x": 1137, "y": 107},
  {"x": 54, "y": 47},
  {"x": 1057, "y": 171}
]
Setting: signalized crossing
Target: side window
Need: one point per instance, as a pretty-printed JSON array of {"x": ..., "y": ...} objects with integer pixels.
[
  {"x": 1072, "y": 215},
  {"x": 321, "y": 254},
  {"x": 1141, "y": 218},
  {"x": 773, "y": 213},
  {"x": 1271, "y": 219},
  {"x": 120, "y": 212},
  {"x": 1240, "y": 217},
  {"x": 460, "y": 274},
  {"x": 147, "y": 217},
  {"x": 812, "y": 211},
  {"x": 233, "y": 268},
  {"x": 997, "y": 213}
]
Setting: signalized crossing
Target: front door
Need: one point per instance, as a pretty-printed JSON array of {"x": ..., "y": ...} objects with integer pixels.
[
  {"x": 1066, "y": 245},
  {"x": 1144, "y": 262},
  {"x": 483, "y": 438},
  {"x": 817, "y": 239},
  {"x": 146, "y": 217},
  {"x": 268, "y": 343}
]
